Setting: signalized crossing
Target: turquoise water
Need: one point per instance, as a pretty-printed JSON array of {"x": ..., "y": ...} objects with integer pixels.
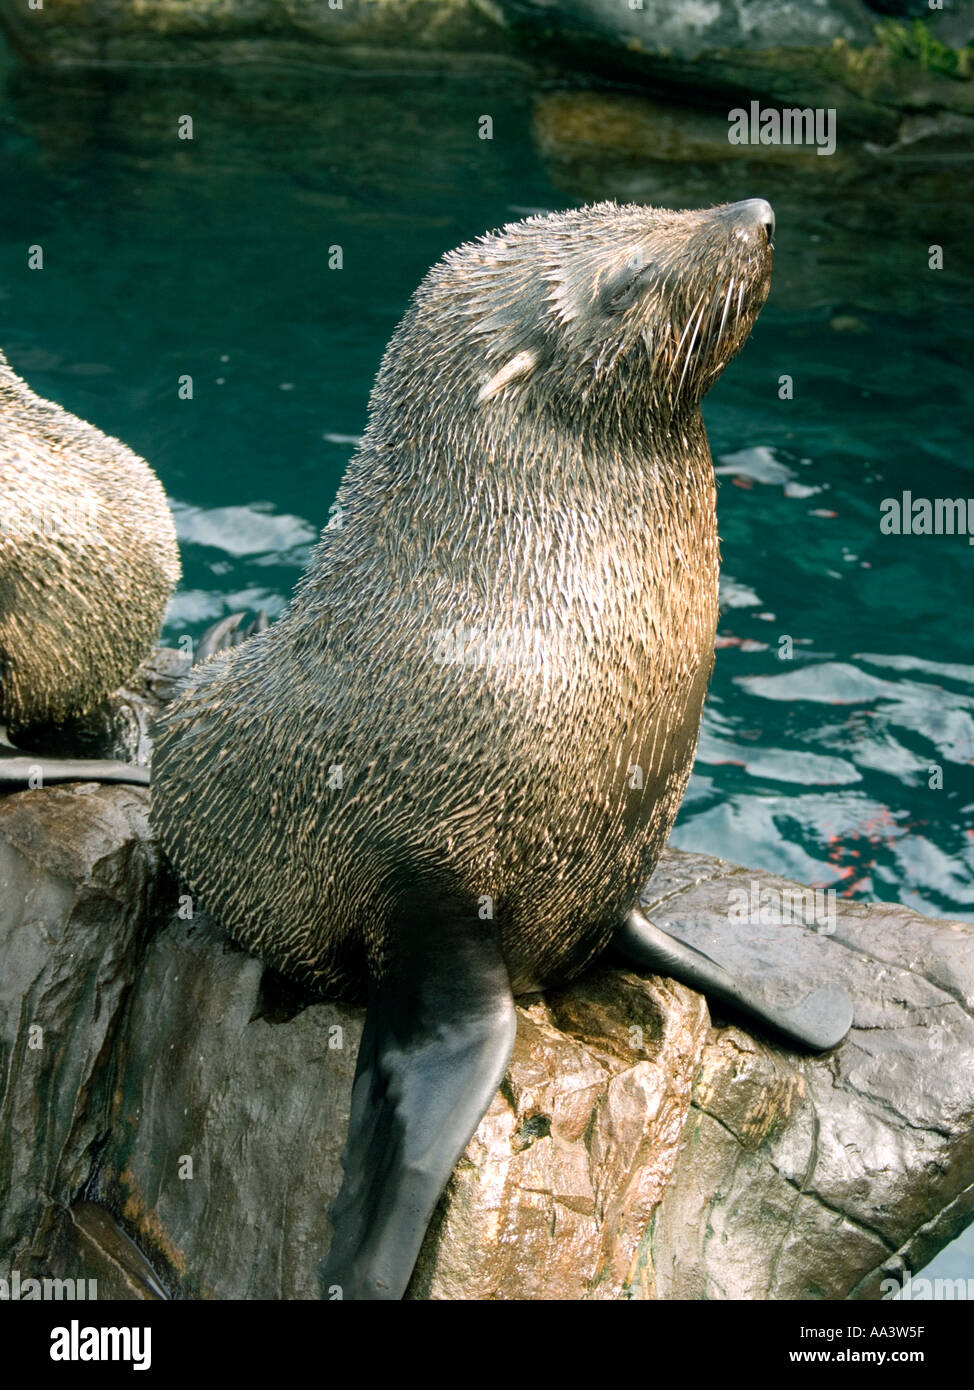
[{"x": 210, "y": 257}]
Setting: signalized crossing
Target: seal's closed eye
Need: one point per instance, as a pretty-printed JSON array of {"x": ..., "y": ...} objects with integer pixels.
[{"x": 622, "y": 290}]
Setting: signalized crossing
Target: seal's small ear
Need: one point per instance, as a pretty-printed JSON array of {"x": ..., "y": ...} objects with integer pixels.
[
  {"x": 519, "y": 367},
  {"x": 621, "y": 290}
]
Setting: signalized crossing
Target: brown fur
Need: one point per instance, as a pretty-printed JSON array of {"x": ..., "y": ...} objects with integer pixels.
[
  {"x": 534, "y": 480},
  {"x": 88, "y": 558}
]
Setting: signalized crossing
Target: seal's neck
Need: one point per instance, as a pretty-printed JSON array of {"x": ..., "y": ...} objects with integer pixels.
[{"x": 523, "y": 454}]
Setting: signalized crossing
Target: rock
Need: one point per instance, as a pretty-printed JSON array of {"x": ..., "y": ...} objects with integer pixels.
[
  {"x": 839, "y": 53},
  {"x": 178, "y": 1130},
  {"x": 555, "y": 1195},
  {"x": 120, "y": 726},
  {"x": 579, "y": 1142},
  {"x": 871, "y": 66},
  {"x": 630, "y": 146},
  {"x": 79, "y": 878},
  {"x": 819, "y": 1177},
  {"x": 372, "y": 32},
  {"x": 81, "y": 882},
  {"x": 228, "y": 1122},
  {"x": 690, "y": 32}
]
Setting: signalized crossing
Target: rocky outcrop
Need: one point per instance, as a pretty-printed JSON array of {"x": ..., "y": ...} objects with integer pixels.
[
  {"x": 556, "y": 1189},
  {"x": 873, "y": 62},
  {"x": 369, "y": 31},
  {"x": 79, "y": 878},
  {"x": 120, "y": 727},
  {"x": 854, "y": 1165},
  {"x": 867, "y": 61},
  {"x": 172, "y": 1114}
]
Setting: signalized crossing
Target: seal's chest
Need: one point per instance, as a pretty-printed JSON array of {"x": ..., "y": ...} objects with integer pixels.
[{"x": 630, "y": 604}]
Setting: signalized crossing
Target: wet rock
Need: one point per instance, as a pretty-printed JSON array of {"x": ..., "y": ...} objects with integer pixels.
[
  {"x": 633, "y": 1150},
  {"x": 839, "y": 54},
  {"x": 822, "y": 1177},
  {"x": 370, "y": 31},
  {"x": 81, "y": 883},
  {"x": 120, "y": 727},
  {"x": 227, "y": 1125},
  {"x": 79, "y": 878},
  {"x": 556, "y": 1192},
  {"x": 573, "y": 129},
  {"x": 177, "y": 1131},
  {"x": 871, "y": 62},
  {"x": 230, "y": 1114}
]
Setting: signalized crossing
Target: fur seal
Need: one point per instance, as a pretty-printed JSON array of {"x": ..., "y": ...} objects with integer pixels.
[
  {"x": 444, "y": 775},
  {"x": 88, "y": 558}
]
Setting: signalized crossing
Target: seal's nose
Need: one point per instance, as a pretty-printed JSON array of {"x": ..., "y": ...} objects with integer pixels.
[{"x": 757, "y": 211}]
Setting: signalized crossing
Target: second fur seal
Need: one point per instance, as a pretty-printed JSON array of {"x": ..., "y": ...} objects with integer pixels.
[
  {"x": 88, "y": 559},
  {"x": 443, "y": 777}
]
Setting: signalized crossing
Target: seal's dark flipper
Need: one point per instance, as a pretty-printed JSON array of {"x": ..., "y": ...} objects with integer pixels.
[
  {"x": 227, "y": 633},
  {"x": 19, "y": 770},
  {"x": 99, "y": 1226},
  {"x": 819, "y": 1021},
  {"x": 438, "y": 1035}
]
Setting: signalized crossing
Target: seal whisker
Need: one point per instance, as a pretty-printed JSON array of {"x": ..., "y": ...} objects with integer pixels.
[
  {"x": 686, "y": 329},
  {"x": 727, "y": 302},
  {"x": 689, "y": 353},
  {"x": 740, "y": 304}
]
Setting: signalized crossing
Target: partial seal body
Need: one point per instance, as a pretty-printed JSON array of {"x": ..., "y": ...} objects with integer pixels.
[
  {"x": 493, "y": 722},
  {"x": 88, "y": 558},
  {"x": 489, "y": 684},
  {"x": 457, "y": 756}
]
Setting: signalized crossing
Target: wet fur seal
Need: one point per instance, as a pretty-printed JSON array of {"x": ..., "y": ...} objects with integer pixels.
[
  {"x": 443, "y": 776},
  {"x": 88, "y": 559}
]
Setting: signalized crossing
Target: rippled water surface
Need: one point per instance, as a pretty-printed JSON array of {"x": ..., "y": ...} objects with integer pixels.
[{"x": 210, "y": 257}]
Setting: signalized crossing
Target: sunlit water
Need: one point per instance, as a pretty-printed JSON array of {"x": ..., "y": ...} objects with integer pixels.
[{"x": 211, "y": 258}]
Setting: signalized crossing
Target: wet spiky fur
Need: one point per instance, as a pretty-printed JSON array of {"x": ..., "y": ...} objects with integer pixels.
[
  {"x": 88, "y": 558},
  {"x": 505, "y": 644}
]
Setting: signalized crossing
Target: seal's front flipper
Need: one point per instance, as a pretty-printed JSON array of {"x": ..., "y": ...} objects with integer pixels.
[
  {"x": 20, "y": 770},
  {"x": 819, "y": 1021},
  {"x": 438, "y": 1035},
  {"x": 228, "y": 632}
]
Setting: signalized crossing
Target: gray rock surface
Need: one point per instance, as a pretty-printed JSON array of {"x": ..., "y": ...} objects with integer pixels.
[
  {"x": 371, "y": 31},
  {"x": 689, "y": 31},
  {"x": 855, "y": 1165},
  {"x": 79, "y": 878},
  {"x": 120, "y": 727},
  {"x": 178, "y": 1129},
  {"x": 227, "y": 1125},
  {"x": 867, "y": 60}
]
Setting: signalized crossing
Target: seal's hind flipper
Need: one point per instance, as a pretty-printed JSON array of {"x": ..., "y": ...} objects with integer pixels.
[
  {"x": 438, "y": 1035},
  {"x": 227, "y": 633},
  {"x": 20, "y": 770},
  {"x": 819, "y": 1021}
]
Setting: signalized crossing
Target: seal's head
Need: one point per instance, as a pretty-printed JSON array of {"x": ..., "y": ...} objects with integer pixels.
[{"x": 614, "y": 318}]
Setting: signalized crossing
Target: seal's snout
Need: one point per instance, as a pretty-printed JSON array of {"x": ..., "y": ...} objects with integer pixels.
[
  {"x": 753, "y": 212},
  {"x": 764, "y": 214}
]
